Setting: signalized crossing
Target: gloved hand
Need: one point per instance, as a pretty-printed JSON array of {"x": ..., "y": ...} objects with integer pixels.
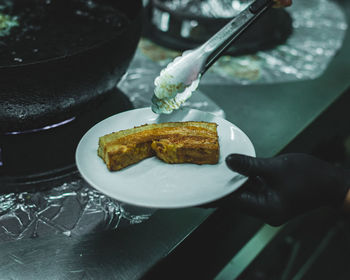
[{"x": 286, "y": 186}]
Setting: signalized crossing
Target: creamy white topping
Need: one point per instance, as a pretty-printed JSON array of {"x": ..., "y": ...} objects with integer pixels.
[
  {"x": 167, "y": 86},
  {"x": 167, "y": 105}
]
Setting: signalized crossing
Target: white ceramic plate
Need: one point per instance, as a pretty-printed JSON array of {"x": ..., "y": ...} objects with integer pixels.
[{"x": 153, "y": 183}]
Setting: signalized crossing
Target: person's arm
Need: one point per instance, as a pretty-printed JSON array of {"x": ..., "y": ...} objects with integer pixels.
[
  {"x": 286, "y": 186},
  {"x": 346, "y": 204},
  {"x": 282, "y": 3}
]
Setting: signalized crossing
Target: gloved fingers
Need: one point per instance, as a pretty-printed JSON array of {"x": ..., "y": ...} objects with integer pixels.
[
  {"x": 226, "y": 201},
  {"x": 258, "y": 205},
  {"x": 247, "y": 195},
  {"x": 249, "y": 202},
  {"x": 248, "y": 166}
]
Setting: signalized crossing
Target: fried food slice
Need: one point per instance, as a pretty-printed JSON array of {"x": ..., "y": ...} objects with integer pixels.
[{"x": 173, "y": 142}]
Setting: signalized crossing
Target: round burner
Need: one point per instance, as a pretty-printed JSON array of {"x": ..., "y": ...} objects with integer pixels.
[{"x": 34, "y": 158}]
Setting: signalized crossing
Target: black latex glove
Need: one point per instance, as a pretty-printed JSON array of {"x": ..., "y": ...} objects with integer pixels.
[{"x": 283, "y": 187}]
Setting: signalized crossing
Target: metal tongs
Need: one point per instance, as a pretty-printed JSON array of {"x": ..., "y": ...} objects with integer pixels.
[{"x": 181, "y": 77}]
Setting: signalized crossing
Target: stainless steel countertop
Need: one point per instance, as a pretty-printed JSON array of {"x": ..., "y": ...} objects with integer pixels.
[{"x": 271, "y": 115}]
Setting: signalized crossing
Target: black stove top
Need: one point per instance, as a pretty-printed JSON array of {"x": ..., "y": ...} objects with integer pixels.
[{"x": 46, "y": 154}]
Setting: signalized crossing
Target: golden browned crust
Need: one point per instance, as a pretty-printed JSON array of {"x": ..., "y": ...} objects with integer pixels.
[
  {"x": 191, "y": 149},
  {"x": 173, "y": 142}
]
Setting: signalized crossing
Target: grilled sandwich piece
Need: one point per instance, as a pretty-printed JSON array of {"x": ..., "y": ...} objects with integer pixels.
[
  {"x": 173, "y": 142},
  {"x": 190, "y": 149}
]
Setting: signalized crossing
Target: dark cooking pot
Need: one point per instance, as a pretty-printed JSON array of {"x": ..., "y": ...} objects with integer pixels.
[{"x": 51, "y": 90}]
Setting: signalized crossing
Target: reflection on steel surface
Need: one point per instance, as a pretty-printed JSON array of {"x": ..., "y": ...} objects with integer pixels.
[{"x": 73, "y": 208}]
